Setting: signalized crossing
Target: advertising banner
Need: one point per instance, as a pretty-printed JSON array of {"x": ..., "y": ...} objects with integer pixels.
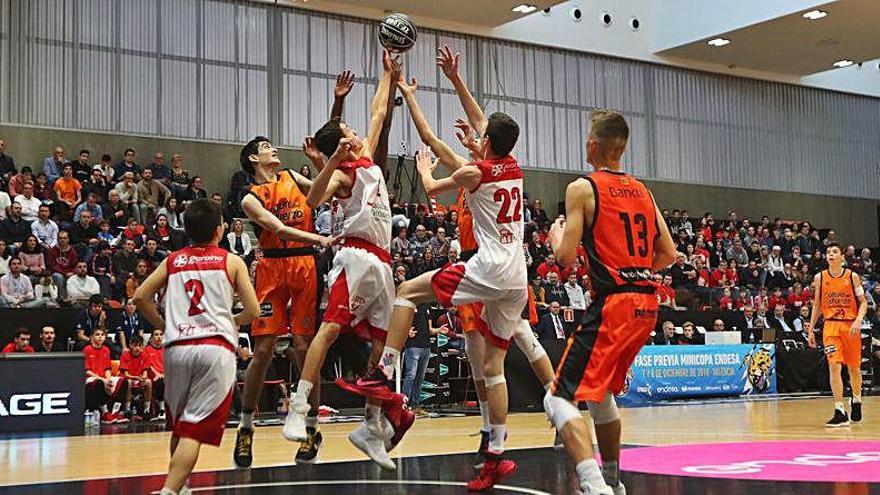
[{"x": 42, "y": 392}]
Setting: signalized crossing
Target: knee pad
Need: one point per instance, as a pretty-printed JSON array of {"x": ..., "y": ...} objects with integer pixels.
[
  {"x": 404, "y": 302},
  {"x": 492, "y": 381},
  {"x": 527, "y": 342},
  {"x": 604, "y": 412},
  {"x": 560, "y": 411}
]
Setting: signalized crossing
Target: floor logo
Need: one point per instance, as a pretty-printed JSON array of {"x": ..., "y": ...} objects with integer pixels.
[{"x": 780, "y": 461}]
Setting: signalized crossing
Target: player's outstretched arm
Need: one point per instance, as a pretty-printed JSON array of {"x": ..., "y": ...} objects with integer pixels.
[
  {"x": 425, "y": 164},
  {"x": 664, "y": 248},
  {"x": 468, "y": 177},
  {"x": 447, "y": 156},
  {"x": 238, "y": 271},
  {"x": 145, "y": 295},
  {"x": 379, "y": 106},
  {"x": 310, "y": 149},
  {"x": 344, "y": 83},
  {"x": 856, "y": 327},
  {"x": 449, "y": 63},
  {"x": 329, "y": 179},
  {"x": 565, "y": 234},
  {"x": 265, "y": 219}
]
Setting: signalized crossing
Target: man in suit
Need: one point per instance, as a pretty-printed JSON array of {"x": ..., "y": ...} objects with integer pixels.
[
  {"x": 667, "y": 336},
  {"x": 784, "y": 328},
  {"x": 550, "y": 326}
]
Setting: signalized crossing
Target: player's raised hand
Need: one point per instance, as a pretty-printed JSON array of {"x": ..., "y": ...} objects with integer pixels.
[
  {"x": 466, "y": 136},
  {"x": 425, "y": 162},
  {"x": 390, "y": 63},
  {"x": 407, "y": 89},
  {"x": 448, "y": 62},
  {"x": 310, "y": 148},
  {"x": 344, "y": 83},
  {"x": 345, "y": 151}
]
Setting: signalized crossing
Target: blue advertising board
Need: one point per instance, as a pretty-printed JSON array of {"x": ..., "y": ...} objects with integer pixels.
[{"x": 678, "y": 372}]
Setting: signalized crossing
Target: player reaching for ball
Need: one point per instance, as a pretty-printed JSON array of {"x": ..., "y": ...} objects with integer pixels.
[
  {"x": 361, "y": 283},
  {"x": 626, "y": 240}
]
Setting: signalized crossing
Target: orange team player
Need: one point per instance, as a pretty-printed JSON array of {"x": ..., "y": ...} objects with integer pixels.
[
  {"x": 286, "y": 275},
  {"x": 626, "y": 240},
  {"x": 841, "y": 300}
]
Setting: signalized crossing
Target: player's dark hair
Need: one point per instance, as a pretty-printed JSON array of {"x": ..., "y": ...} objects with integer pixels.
[
  {"x": 136, "y": 340},
  {"x": 328, "y": 136},
  {"x": 833, "y": 244},
  {"x": 202, "y": 218},
  {"x": 251, "y": 148},
  {"x": 502, "y": 132}
]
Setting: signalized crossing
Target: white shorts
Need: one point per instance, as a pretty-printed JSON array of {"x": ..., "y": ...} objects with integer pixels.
[
  {"x": 361, "y": 292},
  {"x": 199, "y": 378},
  {"x": 502, "y": 308}
]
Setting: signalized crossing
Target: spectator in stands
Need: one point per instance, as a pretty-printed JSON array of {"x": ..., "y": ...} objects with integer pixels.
[
  {"x": 725, "y": 302},
  {"x": 750, "y": 275},
  {"x": 866, "y": 265},
  {"x": 134, "y": 367},
  {"x": 14, "y": 229},
  {"x": 43, "y": 191},
  {"x": 152, "y": 195},
  {"x": 419, "y": 243},
  {"x": 802, "y": 275},
  {"x": 91, "y": 205},
  {"x": 798, "y": 298},
  {"x": 775, "y": 267},
  {"x": 554, "y": 291},
  {"x": 115, "y": 210},
  {"x": 154, "y": 357},
  {"x": 761, "y": 319},
  {"x": 80, "y": 287},
  {"x": 665, "y": 291},
  {"x": 239, "y": 242},
  {"x": 194, "y": 191},
  {"x": 684, "y": 276},
  {"x": 666, "y": 336},
  {"x": 17, "y": 290},
  {"x": 52, "y": 164},
  {"x": 84, "y": 235},
  {"x": 551, "y": 326},
  {"x": 30, "y": 205},
  {"x": 324, "y": 219},
  {"x": 755, "y": 252},
  {"x": 179, "y": 176},
  {"x": 62, "y": 260},
  {"x": 452, "y": 256},
  {"x": 47, "y": 341},
  {"x": 737, "y": 252},
  {"x": 399, "y": 274},
  {"x": 133, "y": 232},
  {"x": 424, "y": 263},
  {"x": 161, "y": 172},
  {"x": 151, "y": 254},
  {"x": 21, "y": 342},
  {"x": 5, "y": 200},
  {"x": 102, "y": 269},
  {"x": 7, "y": 163},
  {"x": 96, "y": 184},
  {"x": 106, "y": 167},
  {"x": 400, "y": 244},
  {"x": 718, "y": 325},
  {"x": 4, "y": 257},
  {"x": 577, "y": 298},
  {"x": 718, "y": 278},
  {"x": 68, "y": 191},
  {"x": 46, "y": 292},
  {"x": 45, "y": 229},
  {"x": 218, "y": 198},
  {"x": 817, "y": 262},
  {"x": 137, "y": 278},
  {"x": 537, "y": 289},
  {"x": 538, "y": 249},
  {"x": 101, "y": 387},
  {"x": 175, "y": 219},
  {"x": 548, "y": 266},
  {"x": 780, "y": 322},
  {"x": 17, "y": 182},
  {"x": 539, "y": 216},
  {"x": 127, "y": 165},
  {"x": 417, "y": 355},
  {"x": 794, "y": 258},
  {"x": 799, "y": 323},
  {"x": 440, "y": 245},
  {"x": 104, "y": 234},
  {"x": 92, "y": 317},
  {"x": 689, "y": 335},
  {"x": 682, "y": 242},
  {"x": 33, "y": 260},
  {"x": 128, "y": 194},
  {"x": 131, "y": 325}
]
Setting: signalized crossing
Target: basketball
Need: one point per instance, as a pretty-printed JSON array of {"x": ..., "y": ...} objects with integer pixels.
[{"x": 397, "y": 33}]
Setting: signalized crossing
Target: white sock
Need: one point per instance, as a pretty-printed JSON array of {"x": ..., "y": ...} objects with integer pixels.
[
  {"x": 311, "y": 421},
  {"x": 388, "y": 360},
  {"x": 589, "y": 475},
  {"x": 839, "y": 407},
  {"x": 548, "y": 386},
  {"x": 857, "y": 399},
  {"x": 167, "y": 491},
  {"x": 496, "y": 438},
  {"x": 372, "y": 414},
  {"x": 484, "y": 412},
  {"x": 246, "y": 420},
  {"x": 303, "y": 389}
]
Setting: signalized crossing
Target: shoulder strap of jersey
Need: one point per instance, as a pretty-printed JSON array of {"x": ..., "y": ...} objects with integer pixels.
[{"x": 595, "y": 187}]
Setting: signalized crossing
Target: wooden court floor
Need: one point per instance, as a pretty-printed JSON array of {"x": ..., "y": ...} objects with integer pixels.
[{"x": 44, "y": 460}]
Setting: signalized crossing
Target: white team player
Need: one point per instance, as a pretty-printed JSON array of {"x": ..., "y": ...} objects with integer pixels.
[
  {"x": 361, "y": 283},
  {"x": 201, "y": 335}
]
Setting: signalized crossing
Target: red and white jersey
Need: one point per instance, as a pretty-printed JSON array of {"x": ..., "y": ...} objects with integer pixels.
[
  {"x": 365, "y": 213},
  {"x": 199, "y": 296},
  {"x": 497, "y": 209}
]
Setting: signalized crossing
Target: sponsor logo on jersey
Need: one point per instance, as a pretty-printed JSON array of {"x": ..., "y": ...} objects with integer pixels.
[
  {"x": 183, "y": 260},
  {"x": 497, "y": 170},
  {"x": 505, "y": 236}
]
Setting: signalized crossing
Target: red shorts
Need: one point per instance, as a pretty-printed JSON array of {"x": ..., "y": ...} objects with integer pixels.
[
  {"x": 600, "y": 352},
  {"x": 840, "y": 346},
  {"x": 280, "y": 282}
]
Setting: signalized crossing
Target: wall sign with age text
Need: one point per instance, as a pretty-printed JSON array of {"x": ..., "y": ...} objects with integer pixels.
[{"x": 47, "y": 394}]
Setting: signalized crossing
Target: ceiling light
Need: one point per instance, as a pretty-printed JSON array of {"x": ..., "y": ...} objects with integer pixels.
[
  {"x": 717, "y": 42},
  {"x": 815, "y": 15},
  {"x": 843, "y": 63},
  {"x": 525, "y": 8}
]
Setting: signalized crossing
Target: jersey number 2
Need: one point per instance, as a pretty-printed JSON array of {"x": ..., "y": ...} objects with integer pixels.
[
  {"x": 505, "y": 214},
  {"x": 196, "y": 291},
  {"x": 642, "y": 223}
]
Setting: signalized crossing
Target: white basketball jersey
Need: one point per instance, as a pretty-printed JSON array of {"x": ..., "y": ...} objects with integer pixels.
[
  {"x": 199, "y": 296},
  {"x": 365, "y": 213},
  {"x": 497, "y": 209}
]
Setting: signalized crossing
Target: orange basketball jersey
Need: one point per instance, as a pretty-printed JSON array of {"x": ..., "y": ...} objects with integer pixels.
[
  {"x": 465, "y": 226},
  {"x": 620, "y": 243},
  {"x": 838, "y": 296},
  {"x": 284, "y": 199}
]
